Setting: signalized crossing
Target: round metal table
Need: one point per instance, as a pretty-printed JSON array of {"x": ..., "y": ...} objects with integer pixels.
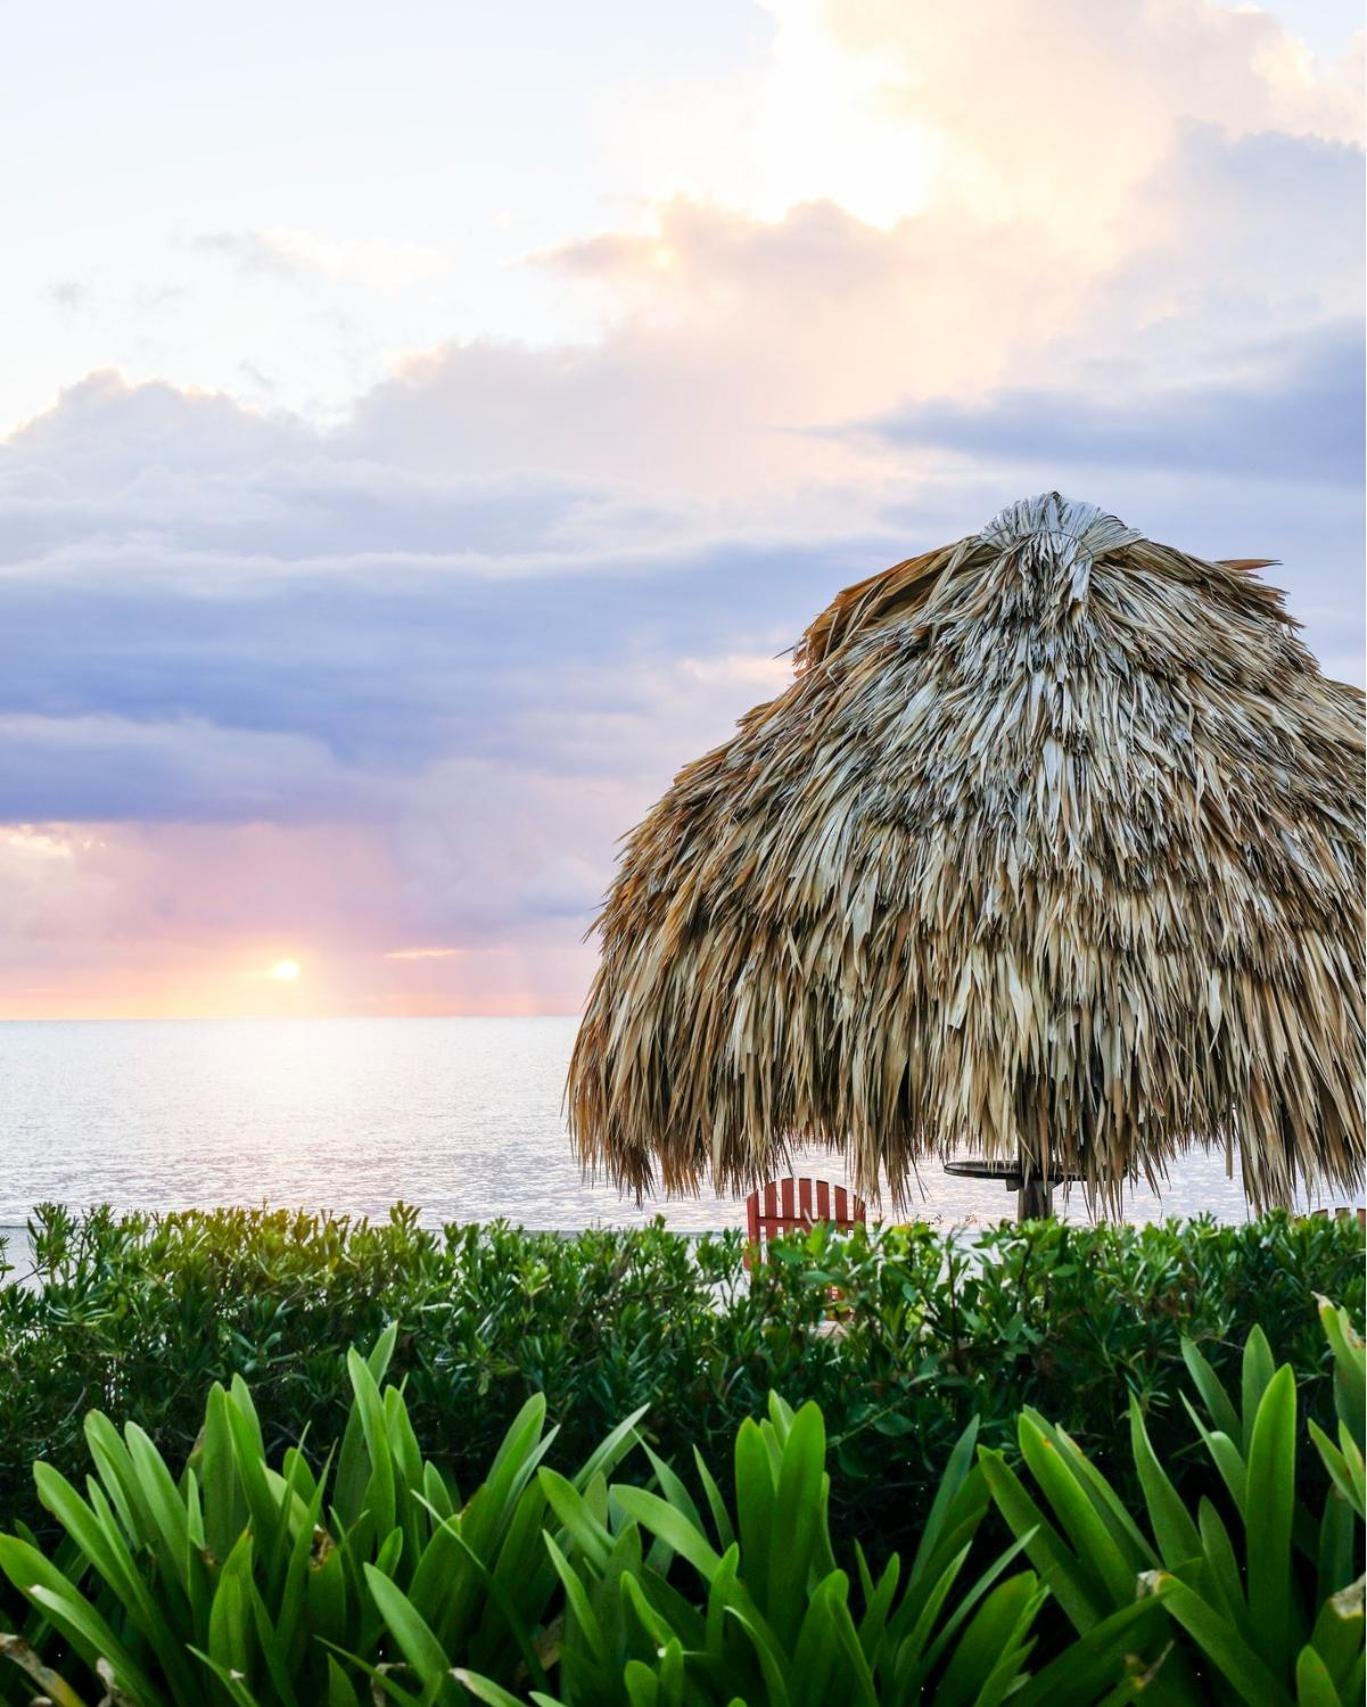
[{"x": 1034, "y": 1197}]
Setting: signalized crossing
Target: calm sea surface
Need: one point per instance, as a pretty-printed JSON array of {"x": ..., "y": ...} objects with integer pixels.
[{"x": 461, "y": 1117}]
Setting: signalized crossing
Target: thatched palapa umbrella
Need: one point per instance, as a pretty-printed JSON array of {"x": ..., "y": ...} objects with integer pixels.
[{"x": 1053, "y": 849}]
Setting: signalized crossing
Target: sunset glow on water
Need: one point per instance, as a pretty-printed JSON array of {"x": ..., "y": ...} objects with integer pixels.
[{"x": 460, "y": 1117}]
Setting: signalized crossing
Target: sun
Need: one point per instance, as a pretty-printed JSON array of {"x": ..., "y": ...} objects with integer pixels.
[{"x": 286, "y": 971}]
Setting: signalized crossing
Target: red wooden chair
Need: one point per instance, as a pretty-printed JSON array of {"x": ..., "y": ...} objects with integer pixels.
[{"x": 795, "y": 1206}]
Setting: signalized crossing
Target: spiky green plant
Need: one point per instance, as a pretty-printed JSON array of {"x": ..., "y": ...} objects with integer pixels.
[
  {"x": 256, "y": 1576},
  {"x": 1266, "y": 1600},
  {"x": 261, "y": 1586},
  {"x": 759, "y": 1612}
]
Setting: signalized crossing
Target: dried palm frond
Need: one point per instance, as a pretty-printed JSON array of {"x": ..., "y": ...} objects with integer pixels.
[{"x": 1052, "y": 848}]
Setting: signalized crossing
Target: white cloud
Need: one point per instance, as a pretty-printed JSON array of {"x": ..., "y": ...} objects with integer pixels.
[{"x": 383, "y": 263}]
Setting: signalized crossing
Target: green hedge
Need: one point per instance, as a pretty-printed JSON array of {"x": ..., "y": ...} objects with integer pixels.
[{"x": 137, "y": 1315}]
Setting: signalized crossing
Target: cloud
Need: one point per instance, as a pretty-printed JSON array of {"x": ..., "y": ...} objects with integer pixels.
[
  {"x": 1055, "y": 113},
  {"x": 68, "y": 296},
  {"x": 404, "y": 678},
  {"x": 102, "y": 767},
  {"x": 298, "y": 256},
  {"x": 1243, "y": 237},
  {"x": 1295, "y": 415},
  {"x": 712, "y": 365}
]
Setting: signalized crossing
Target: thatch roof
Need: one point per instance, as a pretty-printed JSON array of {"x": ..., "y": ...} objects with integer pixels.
[{"x": 1053, "y": 845}]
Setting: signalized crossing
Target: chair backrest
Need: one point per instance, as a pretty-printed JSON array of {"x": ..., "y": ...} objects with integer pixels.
[
  {"x": 794, "y": 1205},
  {"x": 1342, "y": 1214}
]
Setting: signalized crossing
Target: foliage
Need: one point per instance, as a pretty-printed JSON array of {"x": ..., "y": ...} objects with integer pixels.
[
  {"x": 137, "y": 1316},
  {"x": 262, "y": 1575},
  {"x": 776, "y": 1621},
  {"x": 263, "y": 1586},
  {"x": 288, "y": 1588},
  {"x": 1268, "y": 1608}
]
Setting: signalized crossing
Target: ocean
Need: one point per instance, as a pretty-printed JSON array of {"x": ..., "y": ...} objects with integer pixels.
[{"x": 460, "y": 1117}]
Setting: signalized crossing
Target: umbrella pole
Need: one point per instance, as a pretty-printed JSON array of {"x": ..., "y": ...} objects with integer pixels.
[{"x": 1035, "y": 1198}]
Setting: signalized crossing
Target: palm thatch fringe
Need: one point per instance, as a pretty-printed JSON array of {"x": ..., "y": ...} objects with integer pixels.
[{"x": 1053, "y": 847}]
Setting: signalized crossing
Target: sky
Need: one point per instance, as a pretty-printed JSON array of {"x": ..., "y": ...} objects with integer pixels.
[{"x": 425, "y": 427}]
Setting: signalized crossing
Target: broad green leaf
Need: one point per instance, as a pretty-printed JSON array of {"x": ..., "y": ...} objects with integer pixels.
[
  {"x": 579, "y": 1603},
  {"x": 993, "y": 1637},
  {"x": 912, "y": 1658},
  {"x": 1213, "y": 1395},
  {"x": 1350, "y": 1370},
  {"x": 656, "y": 1627},
  {"x": 44, "y": 1586},
  {"x": 416, "y": 1642},
  {"x": 231, "y": 1627},
  {"x": 287, "y": 1572},
  {"x": 381, "y": 1681},
  {"x": 436, "y": 1492},
  {"x": 1222, "y": 1567},
  {"x": 232, "y": 1681},
  {"x": 660, "y": 1518},
  {"x": 878, "y": 1601},
  {"x": 1134, "y": 1545},
  {"x": 1224, "y": 1455},
  {"x": 673, "y": 1489},
  {"x": 754, "y": 1500},
  {"x": 379, "y": 1494},
  {"x": 1337, "y": 1545},
  {"x": 146, "y": 1609},
  {"x": 1314, "y": 1686},
  {"x": 101, "y": 1544},
  {"x": 1344, "y": 1464},
  {"x": 1256, "y": 1372},
  {"x": 1240, "y": 1665},
  {"x": 1094, "y": 1545},
  {"x": 642, "y": 1685},
  {"x": 225, "y": 1507},
  {"x": 435, "y": 1585},
  {"x": 964, "y": 1605},
  {"x": 240, "y": 1397},
  {"x": 486, "y": 1690},
  {"x": 677, "y": 1610},
  {"x": 494, "y": 1503},
  {"x": 770, "y": 1664},
  {"x": 611, "y": 1450},
  {"x": 263, "y": 1508},
  {"x": 341, "y": 1690},
  {"x": 165, "y": 1503},
  {"x": 1267, "y": 1521},
  {"x": 1338, "y": 1636},
  {"x": 1072, "y": 1585},
  {"x": 403, "y": 1443},
  {"x": 326, "y": 1592},
  {"x": 501, "y": 1595},
  {"x": 827, "y": 1635},
  {"x": 115, "y": 1468},
  {"x": 716, "y": 1503},
  {"x": 277, "y": 1657},
  {"x": 1079, "y": 1676},
  {"x": 798, "y": 1515},
  {"x": 568, "y": 1504},
  {"x": 951, "y": 1485},
  {"x": 73, "y": 1615},
  {"x": 1177, "y": 1536}
]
